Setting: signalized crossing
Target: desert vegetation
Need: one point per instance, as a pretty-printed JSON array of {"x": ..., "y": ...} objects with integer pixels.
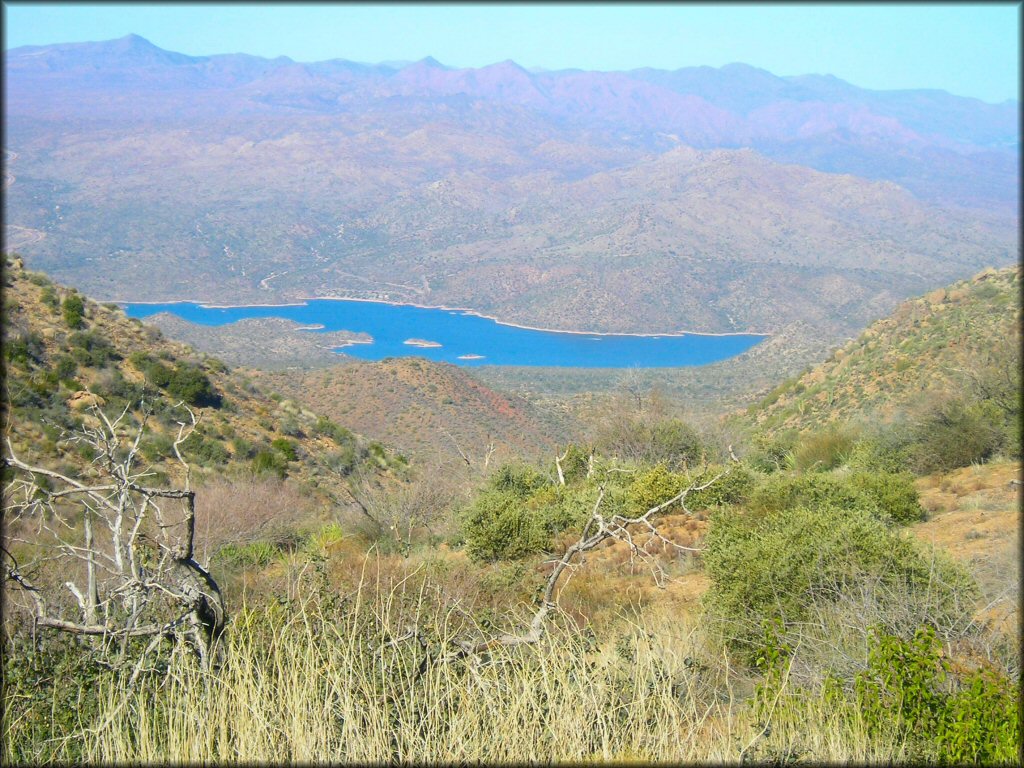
[{"x": 656, "y": 590}]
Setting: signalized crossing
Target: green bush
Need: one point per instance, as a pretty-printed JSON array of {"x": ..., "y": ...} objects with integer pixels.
[
  {"x": 889, "y": 497},
  {"x": 337, "y": 433},
  {"x": 894, "y": 494},
  {"x": 575, "y": 463},
  {"x": 772, "y": 452},
  {"x": 73, "y": 310},
  {"x": 286, "y": 448},
  {"x": 156, "y": 446},
  {"x": 189, "y": 383},
  {"x": 258, "y": 554},
  {"x": 498, "y": 526},
  {"x": 49, "y": 298},
  {"x": 823, "y": 450},
  {"x": 653, "y": 487},
  {"x": 242, "y": 448},
  {"x": 206, "y": 450},
  {"x": 344, "y": 460},
  {"x": 25, "y": 349},
  {"x": 908, "y": 690},
  {"x": 92, "y": 349},
  {"x": 65, "y": 368},
  {"x": 732, "y": 488},
  {"x": 779, "y": 565},
  {"x": 954, "y": 433},
  {"x": 887, "y": 450},
  {"x": 518, "y": 479},
  {"x": 671, "y": 442},
  {"x": 269, "y": 462}
]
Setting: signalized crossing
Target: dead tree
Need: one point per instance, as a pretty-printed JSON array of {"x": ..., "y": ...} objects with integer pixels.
[{"x": 109, "y": 557}]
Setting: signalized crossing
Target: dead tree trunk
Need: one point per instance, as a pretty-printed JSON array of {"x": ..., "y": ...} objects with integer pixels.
[{"x": 130, "y": 545}]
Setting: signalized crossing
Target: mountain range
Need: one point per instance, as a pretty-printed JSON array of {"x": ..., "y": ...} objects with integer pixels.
[{"x": 644, "y": 201}]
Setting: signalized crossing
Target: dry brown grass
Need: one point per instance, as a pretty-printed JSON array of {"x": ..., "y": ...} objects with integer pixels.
[
  {"x": 975, "y": 516},
  {"x": 239, "y": 511}
]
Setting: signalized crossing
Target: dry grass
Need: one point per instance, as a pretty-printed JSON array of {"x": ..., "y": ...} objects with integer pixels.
[
  {"x": 975, "y": 516},
  {"x": 314, "y": 682}
]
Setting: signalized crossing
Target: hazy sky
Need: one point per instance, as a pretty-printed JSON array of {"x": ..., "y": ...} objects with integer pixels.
[{"x": 968, "y": 49}]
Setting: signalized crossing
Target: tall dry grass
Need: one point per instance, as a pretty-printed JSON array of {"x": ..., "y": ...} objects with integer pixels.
[{"x": 329, "y": 678}]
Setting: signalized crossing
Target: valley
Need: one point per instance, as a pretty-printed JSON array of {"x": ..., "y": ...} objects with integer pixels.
[{"x": 416, "y": 413}]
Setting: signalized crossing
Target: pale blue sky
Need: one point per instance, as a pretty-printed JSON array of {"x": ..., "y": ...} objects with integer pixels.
[{"x": 968, "y": 49}]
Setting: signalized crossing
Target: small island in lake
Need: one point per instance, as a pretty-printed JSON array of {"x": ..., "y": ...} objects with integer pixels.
[{"x": 421, "y": 343}]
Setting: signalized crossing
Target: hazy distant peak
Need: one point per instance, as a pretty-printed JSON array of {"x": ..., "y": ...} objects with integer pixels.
[{"x": 430, "y": 61}]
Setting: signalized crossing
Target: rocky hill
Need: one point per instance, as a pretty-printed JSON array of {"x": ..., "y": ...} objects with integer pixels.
[
  {"x": 952, "y": 339},
  {"x": 435, "y": 413},
  {"x": 66, "y": 355}
]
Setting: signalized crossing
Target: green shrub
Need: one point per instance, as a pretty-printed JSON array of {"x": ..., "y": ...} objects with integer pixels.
[
  {"x": 65, "y": 367},
  {"x": 518, "y": 479},
  {"x": 38, "y": 278},
  {"x": 575, "y": 464},
  {"x": 242, "y": 448},
  {"x": 823, "y": 450},
  {"x": 27, "y": 348},
  {"x": 269, "y": 462},
  {"x": 337, "y": 433},
  {"x": 653, "y": 487},
  {"x": 189, "y": 383},
  {"x": 908, "y": 690},
  {"x": 887, "y": 450},
  {"x": 206, "y": 450},
  {"x": 779, "y": 565},
  {"x": 344, "y": 460},
  {"x": 156, "y": 446},
  {"x": 258, "y": 554},
  {"x": 889, "y": 497},
  {"x": 49, "y": 298},
  {"x": 954, "y": 433},
  {"x": 670, "y": 441},
  {"x": 92, "y": 349},
  {"x": 772, "y": 452},
  {"x": 73, "y": 311},
  {"x": 893, "y": 494},
  {"x": 732, "y": 488},
  {"x": 286, "y": 448},
  {"x": 498, "y": 526}
]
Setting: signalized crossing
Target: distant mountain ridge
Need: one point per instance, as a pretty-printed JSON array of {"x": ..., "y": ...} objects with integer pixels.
[{"x": 701, "y": 199}]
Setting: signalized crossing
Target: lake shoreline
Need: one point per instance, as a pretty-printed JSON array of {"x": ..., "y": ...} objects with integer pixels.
[{"x": 305, "y": 302}]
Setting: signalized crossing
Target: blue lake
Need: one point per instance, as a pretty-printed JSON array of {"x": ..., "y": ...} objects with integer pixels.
[{"x": 464, "y": 336}]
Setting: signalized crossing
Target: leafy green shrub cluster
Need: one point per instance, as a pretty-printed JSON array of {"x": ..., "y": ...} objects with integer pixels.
[
  {"x": 27, "y": 349},
  {"x": 886, "y": 496},
  {"x": 91, "y": 349},
  {"x": 778, "y": 565},
  {"x": 257, "y": 553},
  {"x": 186, "y": 381},
  {"x": 73, "y": 311},
  {"x": 269, "y": 462},
  {"x": 956, "y": 432},
  {"x": 907, "y": 689},
  {"x": 206, "y": 450},
  {"x": 519, "y": 512},
  {"x": 336, "y": 432},
  {"x": 287, "y": 448},
  {"x": 822, "y": 450},
  {"x": 49, "y": 298}
]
